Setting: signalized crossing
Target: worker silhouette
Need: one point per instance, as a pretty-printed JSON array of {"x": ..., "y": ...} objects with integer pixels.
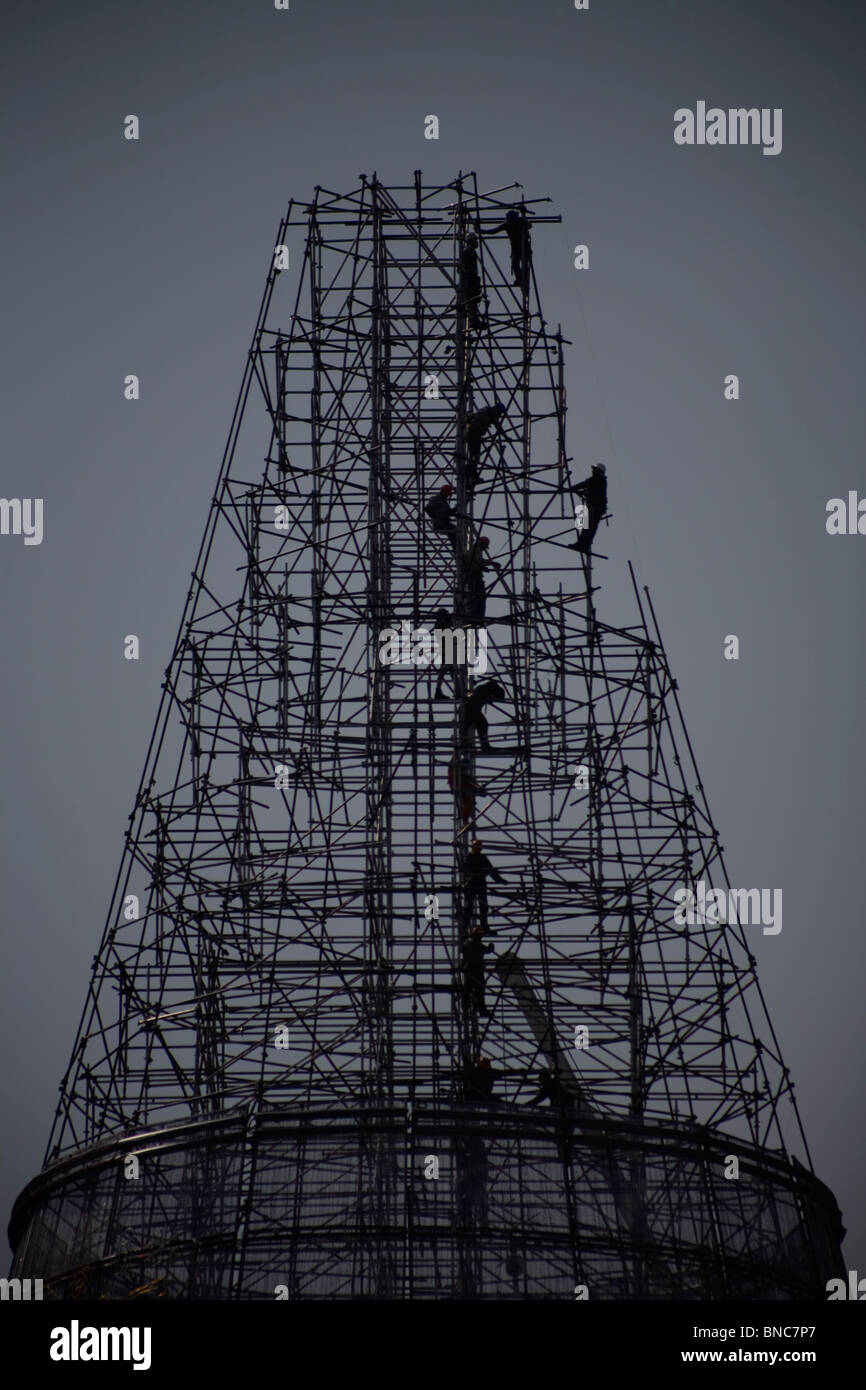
[
  {"x": 552, "y": 1089},
  {"x": 476, "y": 565},
  {"x": 441, "y": 515},
  {"x": 444, "y": 622},
  {"x": 464, "y": 786},
  {"x": 473, "y": 711},
  {"x": 479, "y": 1079},
  {"x": 592, "y": 491},
  {"x": 474, "y": 950},
  {"x": 473, "y": 1174},
  {"x": 516, "y": 227},
  {"x": 470, "y": 281},
  {"x": 474, "y": 430},
  {"x": 476, "y": 868}
]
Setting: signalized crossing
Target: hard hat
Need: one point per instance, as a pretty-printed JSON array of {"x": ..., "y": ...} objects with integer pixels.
[
  {"x": 446, "y": 490},
  {"x": 483, "y": 542},
  {"x": 483, "y": 1062},
  {"x": 472, "y": 239},
  {"x": 500, "y": 407},
  {"x": 476, "y": 845},
  {"x": 599, "y": 467},
  {"x": 511, "y": 214}
]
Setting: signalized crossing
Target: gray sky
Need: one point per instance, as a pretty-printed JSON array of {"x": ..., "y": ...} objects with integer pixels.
[{"x": 149, "y": 257}]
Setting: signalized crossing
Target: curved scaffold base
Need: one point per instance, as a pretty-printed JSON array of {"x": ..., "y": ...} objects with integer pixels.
[{"x": 467, "y": 1201}]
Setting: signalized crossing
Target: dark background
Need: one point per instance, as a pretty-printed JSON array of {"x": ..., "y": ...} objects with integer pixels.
[{"x": 150, "y": 257}]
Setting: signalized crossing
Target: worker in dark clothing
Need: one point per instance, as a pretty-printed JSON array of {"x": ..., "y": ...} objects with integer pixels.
[
  {"x": 476, "y": 867},
  {"x": 470, "y": 281},
  {"x": 473, "y": 711},
  {"x": 516, "y": 227},
  {"x": 552, "y": 1089},
  {"x": 445, "y": 623},
  {"x": 441, "y": 515},
  {"x": 592, "y": 491},
  {"x": 474, "y": 431},
  {"x": 476, "y": 564},
  {"x": 464, "y": 787},
  {"x": 479, "y": 1079},
  {"x": 474, "y": 951},
  {"x": 473, "y": 1171}
]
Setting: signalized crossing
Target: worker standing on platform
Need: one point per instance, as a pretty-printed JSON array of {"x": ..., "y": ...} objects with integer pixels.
[
  {"x": 474, "y": 951},
  {"x": 441, "y": 515},
  {"x": 516, "y": 228},
  {"x": 592, "y": 491},
  {"x": 470, "y": 281},
  {"x": 476, "y": 867},
  {"x": 474, "y": 431},
  {"x": 473, "y": 711}
]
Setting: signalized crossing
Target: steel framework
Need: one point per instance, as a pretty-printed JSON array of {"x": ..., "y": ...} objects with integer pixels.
[{"x": 277, "y": 1087}]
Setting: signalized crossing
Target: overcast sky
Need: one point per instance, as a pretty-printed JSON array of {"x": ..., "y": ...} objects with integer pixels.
[{"x": 149, "y": 257}]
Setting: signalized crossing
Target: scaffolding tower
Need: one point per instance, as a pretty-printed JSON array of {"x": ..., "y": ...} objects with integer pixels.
[{"x": 321, "y": 1056}]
